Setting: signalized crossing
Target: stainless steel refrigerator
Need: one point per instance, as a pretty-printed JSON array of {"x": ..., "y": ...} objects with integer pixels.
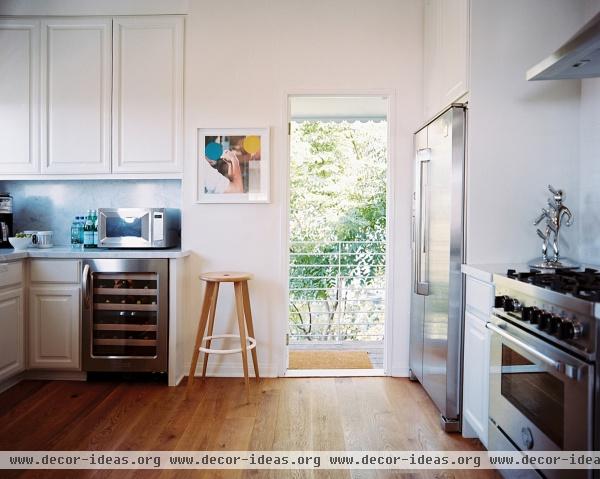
[{"x": 438, "y": 246}]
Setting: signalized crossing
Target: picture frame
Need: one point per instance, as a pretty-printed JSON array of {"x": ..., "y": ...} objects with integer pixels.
[{"x": 233, "y": 165}]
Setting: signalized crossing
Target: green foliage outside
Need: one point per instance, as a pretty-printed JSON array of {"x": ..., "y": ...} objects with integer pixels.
[{"x": 337, "y": 230}]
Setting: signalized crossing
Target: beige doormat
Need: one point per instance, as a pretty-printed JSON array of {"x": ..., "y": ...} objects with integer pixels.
[{"x": 329, "y": 360}]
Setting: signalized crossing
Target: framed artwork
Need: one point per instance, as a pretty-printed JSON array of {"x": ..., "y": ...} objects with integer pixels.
[{"x": 233, "y": 165}]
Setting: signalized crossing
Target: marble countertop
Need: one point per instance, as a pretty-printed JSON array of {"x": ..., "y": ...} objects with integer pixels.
[
  {"x": 485, "y": 272},
  {"x": 9, "y": 254}
]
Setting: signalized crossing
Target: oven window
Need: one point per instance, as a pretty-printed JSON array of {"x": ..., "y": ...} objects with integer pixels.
[
  {"x": 117, "y": 227},
  {"x": 534, "y": 392}
]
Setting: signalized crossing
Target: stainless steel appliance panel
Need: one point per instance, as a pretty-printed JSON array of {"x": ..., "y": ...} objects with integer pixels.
[
  {"x": 438, "y": 252},
  {"x": 540, "y": 396},
  {"x": 437, "y": 186},
  {"x": 419, "y": 258},
  {"x": 125, "y": 315}
]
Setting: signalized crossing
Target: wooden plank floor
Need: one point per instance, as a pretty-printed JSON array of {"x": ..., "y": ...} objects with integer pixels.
[{"x": 284, "y": 414}]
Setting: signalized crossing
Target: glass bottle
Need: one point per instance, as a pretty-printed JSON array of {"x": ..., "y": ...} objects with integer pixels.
[
  {"x": 75, "y": 232},
  {"x": 88, "y": 231},
  {"x": 81, "y": 224},
  {"x": 95, "y": 227}
]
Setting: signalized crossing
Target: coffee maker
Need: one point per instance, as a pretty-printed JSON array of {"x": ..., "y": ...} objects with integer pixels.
[{"x": 6, "y": 219}]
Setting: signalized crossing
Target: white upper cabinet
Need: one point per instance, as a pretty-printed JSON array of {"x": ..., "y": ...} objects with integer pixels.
[
  {"x": 76, "y": 95},
  {"x": 446, "y": 53},
  {"x": 147, "y": 94},
  {"x": 19, "y": 97},
  {"x": 91, "y": 96}
]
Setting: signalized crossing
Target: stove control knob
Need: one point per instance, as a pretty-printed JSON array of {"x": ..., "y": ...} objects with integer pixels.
[
  {"x": 516, "y": 305},
  {"x": 527, "y": 313},
  {"x": 544, "y": 320},
  {"x": 569, "y": 329},
  {"x": 510, "y": 303},
  {"x": 535, "y": 315},
  {"x": 527, "y": 438},
  {"x": 555, "y": 324},
  {"x": 499, "y": 301}
]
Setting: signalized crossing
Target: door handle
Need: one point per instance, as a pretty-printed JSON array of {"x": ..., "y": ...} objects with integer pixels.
[
  {"x": 84, "y": 285},
  {"x": 568, "y": 370},
  {"x": 422, "y": 248}
]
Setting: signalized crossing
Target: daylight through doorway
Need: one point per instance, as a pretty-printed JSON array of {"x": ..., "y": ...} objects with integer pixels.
[{"x": 337, "y": 233}]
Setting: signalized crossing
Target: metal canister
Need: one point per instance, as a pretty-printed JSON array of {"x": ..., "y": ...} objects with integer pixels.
[{"x": 6, "y": 203}]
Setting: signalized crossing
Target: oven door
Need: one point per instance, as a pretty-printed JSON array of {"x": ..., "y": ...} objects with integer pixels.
[
  {"x": 124, "y": 227},
  {"x": 540, "y": 396}
]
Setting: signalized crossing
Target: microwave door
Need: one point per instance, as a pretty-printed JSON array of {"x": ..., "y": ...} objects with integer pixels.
[{"x": 124, "y": 228}]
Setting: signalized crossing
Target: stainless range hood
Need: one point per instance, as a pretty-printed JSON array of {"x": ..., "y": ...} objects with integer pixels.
[{"x": 577, "y": 58}]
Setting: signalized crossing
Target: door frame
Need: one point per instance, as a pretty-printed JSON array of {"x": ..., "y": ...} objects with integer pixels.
[{"x": 391, "y": 227}]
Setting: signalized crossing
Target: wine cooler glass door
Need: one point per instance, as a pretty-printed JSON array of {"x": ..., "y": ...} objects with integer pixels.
[{"x": 125, "y": 319}]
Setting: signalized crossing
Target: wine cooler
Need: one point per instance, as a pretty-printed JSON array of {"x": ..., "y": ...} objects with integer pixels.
[{"x": 125, "y": 315}]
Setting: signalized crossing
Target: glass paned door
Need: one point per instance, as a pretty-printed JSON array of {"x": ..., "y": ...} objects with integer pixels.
[{"x": 125, "y": 317}]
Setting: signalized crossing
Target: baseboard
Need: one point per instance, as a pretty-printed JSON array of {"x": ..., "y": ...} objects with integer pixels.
[
  {"x": 234, "y": 371},
  {"x": 44, "y": 375},
  {"x": 400, "y": 372},
  {"x": 10, "y": 382}
]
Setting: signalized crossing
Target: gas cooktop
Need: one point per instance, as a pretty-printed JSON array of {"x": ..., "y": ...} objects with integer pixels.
[{"x": 583, "y": 284}]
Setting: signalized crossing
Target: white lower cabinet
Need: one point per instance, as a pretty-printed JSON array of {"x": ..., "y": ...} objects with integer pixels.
[
  {"x": 476, "y": 375},
  {"x": 54, "y": 327},
  {"x": 12, "y": 339},
  {"x": 479, "y": 301}
]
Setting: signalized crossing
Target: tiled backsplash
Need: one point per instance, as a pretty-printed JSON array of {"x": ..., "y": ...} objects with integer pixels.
[{"x": 51, "y": 205}]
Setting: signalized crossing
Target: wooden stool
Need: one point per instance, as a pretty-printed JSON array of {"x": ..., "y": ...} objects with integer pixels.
[{"x": 207, "y": 315}]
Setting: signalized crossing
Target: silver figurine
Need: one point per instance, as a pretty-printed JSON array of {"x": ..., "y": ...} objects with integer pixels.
[{"x": 556, "y": 215}]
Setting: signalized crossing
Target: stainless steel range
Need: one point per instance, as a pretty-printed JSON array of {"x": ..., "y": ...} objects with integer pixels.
[{"x": 543, "y": 362}]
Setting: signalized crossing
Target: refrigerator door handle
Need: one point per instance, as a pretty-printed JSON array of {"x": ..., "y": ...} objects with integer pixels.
[
  {"x": 84, "y": 286},
  {"x": 422, "y": 252}
]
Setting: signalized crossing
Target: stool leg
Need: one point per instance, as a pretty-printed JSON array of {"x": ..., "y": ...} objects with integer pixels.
[
  {"x": 211, "y": 324},
  {"x": 210, "y": 287},
  {"x": 250, "y": 325},
  {"x": 239, "y": 303}
]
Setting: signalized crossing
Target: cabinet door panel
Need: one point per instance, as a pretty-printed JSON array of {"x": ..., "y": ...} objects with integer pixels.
[
  {"x": 19, "y": 99},
  {"x": 455, "y": 61},
  {"x": 147, "y": 94},
  {"x": 76, "y": 81},
  {"x": 446, "y": 53},
  {"x": 476, "y": 375},
  {"x": 12, "y": 347},
  {"x": 54, "y": 316}
]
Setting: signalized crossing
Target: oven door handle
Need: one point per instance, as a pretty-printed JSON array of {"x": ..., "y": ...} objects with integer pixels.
[{"x": 569, "y": 370}]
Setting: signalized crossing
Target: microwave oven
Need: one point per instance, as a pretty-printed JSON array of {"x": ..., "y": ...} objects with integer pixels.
[{"x": 138, "y": 227}]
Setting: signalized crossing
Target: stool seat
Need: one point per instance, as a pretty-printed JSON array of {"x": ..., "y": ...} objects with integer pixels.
[{"x": 226, "y": 276}]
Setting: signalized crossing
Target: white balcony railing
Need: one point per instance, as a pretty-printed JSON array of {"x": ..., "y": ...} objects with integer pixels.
[{"x": 336, "y": 291}]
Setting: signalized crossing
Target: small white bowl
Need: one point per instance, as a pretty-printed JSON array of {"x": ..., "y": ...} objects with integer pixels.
[{"x": 19, "y": 243}]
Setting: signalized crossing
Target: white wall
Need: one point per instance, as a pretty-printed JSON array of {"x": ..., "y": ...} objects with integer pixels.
[
  {"x": 523, "y": 135},
  {"x": 588, "y": 213},
  {"x": 241, "y": 58}
]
